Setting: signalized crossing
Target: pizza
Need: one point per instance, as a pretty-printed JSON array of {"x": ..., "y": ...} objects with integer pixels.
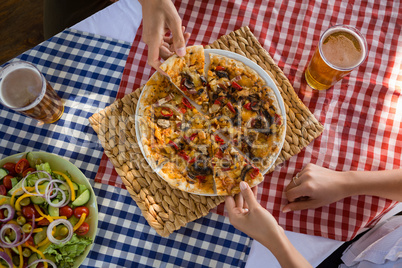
[{"x": 205, "y": 132}]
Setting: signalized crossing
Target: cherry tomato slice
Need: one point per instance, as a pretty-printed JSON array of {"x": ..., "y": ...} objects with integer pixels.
[
  {"x": 26, "y": 171},
  {"x": 7, "y": 182},
  {"x": 3, "y": 190},
  {"x": 43, "y": 222},
  {"x": 83, "y": 229},
  {"x": 29, "y": 211},
  {"x": 10, "y": 167},
  {"x": 79, "y": 210},
  {"x": 254, "y": 173},
  {"x": 21, "y": 165},
  {"x": 66, "y": 211}
]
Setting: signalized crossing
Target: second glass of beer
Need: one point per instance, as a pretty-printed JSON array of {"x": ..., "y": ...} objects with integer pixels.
[{"x": 341, "y": 49}]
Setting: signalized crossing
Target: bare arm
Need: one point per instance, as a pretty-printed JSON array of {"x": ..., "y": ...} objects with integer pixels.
[
  {"x": 318, "y": 186},
  {"x": 247, "y": 215}
]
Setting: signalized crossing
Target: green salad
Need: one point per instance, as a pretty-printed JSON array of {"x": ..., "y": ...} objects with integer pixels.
[{"x": 43, "y": 215}]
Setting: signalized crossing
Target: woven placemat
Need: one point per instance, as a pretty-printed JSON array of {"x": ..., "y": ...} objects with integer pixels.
[{"x": 167, "y": 209}]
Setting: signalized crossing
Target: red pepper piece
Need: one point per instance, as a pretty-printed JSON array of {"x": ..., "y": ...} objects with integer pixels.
[
  {"x": 236, "y": 86},
  {"x": 192, "y": 160},
  {"x": 247, "y": 106},
  {"x": 183, "y": 110},
  {"x": 183, "y": 155},
  {"x": 220, "y": 68},
  {"x": 186, "y": 103},
  {"x": 166, "y": 112},
  {"x": 230, "y": 106},
  {"x": 254, "y": 173},
  {"x": 174, "y": 145},
  {"x": 201, "y": 179},
  {"x": 193, "y": 136},
  {"x": 219, "y": 139},
  {"x": 182, "y": 86}
]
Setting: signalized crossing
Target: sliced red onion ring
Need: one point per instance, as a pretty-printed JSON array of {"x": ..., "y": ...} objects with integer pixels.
[
  {"x": 55, "y": 223},
  {"x": 6, "y": 258},
  {"x": 49, "y": 178},
  {"x": 42, "y": 260},
  {"x": 52, "y": 192},
  {"x": 18, "y": 231},
  {"x": 11, "y": 212}
]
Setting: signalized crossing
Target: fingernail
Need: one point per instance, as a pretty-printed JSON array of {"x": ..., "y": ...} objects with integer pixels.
[
  {"x": 181, "y": 51},
  {"x": 285, "y": 210},
  {"x": 243, "y": 185}
]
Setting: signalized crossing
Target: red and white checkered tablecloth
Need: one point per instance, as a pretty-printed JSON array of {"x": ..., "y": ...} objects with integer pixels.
[{"x": 362, "y": 115}]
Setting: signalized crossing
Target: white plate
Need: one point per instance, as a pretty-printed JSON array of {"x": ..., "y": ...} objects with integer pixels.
[{"x": 268, "y": 80}]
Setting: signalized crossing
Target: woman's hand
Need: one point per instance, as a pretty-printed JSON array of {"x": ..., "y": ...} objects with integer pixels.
[
  {"x": 314, "y": 187},
  {"x": 159, "y": 18},
  {"x": 248, "y": 216}
]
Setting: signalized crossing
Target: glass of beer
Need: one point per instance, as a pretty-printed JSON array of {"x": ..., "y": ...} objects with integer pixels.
[
  {"x": 341, "y": 49},
  {"x": 24, "y": 89}
]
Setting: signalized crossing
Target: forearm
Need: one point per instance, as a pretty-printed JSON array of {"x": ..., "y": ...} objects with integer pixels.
[
  {"x": 386, "y": 183},
  {"x": 283, "y": 250}
]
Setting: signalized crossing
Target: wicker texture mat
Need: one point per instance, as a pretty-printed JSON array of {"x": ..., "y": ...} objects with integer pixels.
[{"x": 167, "y": 209}]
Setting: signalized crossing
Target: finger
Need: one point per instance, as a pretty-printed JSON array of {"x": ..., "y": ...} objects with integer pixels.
[
  {"x": 153, "y": 55},
  {"x": 230, "y": 203},
  {"x": 293, "y": 206},
  {"x": 239, "y": 200},
  {"x": 296, "y": 193},
  {"x": 165, "y": 52},
  {"x": 178, "y": 37},
  {"x": 248, "y": 195}
]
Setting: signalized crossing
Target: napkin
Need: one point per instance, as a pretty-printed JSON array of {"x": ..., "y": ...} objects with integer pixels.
[{"x": 379, "y": 247}]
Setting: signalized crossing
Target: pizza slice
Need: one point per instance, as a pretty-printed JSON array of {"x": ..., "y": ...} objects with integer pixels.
[
  {"x": 187, "y": 73},
  {"x": 230, "y": 168}
]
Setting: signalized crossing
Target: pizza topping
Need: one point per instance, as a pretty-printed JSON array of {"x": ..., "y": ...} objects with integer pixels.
[
  {"x": 219, "y": 139},
  {"x": 166, "y": 112},
  {"x": 222, "y": 74},
  {"x": 164, "y": 100},
  {"x": 236, "y": 86},
  {"x": 245, "y": 170},
  {"x": 230, "y": 106},
  {"x": 163, "y": 123},
  {"x": 203, "y": 80},
  {"x": 173, "y": 144},
  {"x": 187, "y": 103},
  {"x": 220, "y": 68}
]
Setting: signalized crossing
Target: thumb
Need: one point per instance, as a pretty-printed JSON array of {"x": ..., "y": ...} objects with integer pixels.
[
  {"x": 248, "y": 195},
  {"x": 179, "y": 41}
]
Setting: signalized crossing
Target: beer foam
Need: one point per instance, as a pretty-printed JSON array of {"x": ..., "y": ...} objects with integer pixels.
[
  {"x": 21, "y": 86},
  {"x": 342, "y": 48}
]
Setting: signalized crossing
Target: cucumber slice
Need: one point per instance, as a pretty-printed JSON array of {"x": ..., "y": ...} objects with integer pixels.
[
  {"x": 64, "y": 188},
  {"x": 3, "y": 173},
  {"x": 37, "y": 200},
  {"x": 17, "y": 188},
  {"x": 53, "y": 211},
  {"x": 33, "y": 258},
  {"x": 82, "y": 199},
  {"x": 39, "y": 237},
  {"x": 81, "y": 189},
  {"x": 7, "y": 199}
]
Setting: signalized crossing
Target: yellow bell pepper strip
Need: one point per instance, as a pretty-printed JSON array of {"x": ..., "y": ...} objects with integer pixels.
[
  {"x": 37, "y": 230},
  {"x": 49, "y": 218},
  {"x": 70, "y": 184},
  {"x": 17, "y": 203},
  {"x": 80, "y": 222},
  {"x": 21, "y": 257},
  {"x": 15, "y": 193},
  {"x": 3, "y": 201},
  {"x": 39, "y": 252},
  {"x": 43, "y": 242}
]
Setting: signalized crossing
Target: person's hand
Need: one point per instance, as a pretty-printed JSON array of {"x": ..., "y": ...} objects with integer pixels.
[
  {"x": 314, "y": 187},
  {"x": 159, "y": 18},
  {"x": 248, "y": 216}
]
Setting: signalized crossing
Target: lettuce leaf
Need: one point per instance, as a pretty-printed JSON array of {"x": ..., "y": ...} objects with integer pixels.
[{"x": 65, "y": 254}]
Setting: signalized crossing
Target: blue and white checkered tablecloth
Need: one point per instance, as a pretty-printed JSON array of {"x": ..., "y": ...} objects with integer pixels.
[{"x": 85, "y": 70}]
